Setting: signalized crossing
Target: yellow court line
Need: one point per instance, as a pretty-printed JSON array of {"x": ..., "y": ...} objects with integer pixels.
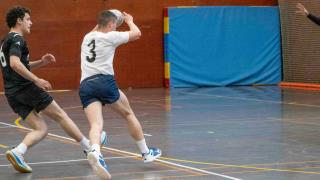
[
  {"x": 3, "y": 146},
  {"x": 307, "y": 167},
  {"x": 115, "y": 175},
  {"x": 224, "y": 165},
  {"x": 17, "y": 122},
  {"x": 69, "y": 177},
  {"x": 283, "y": 163},
  {"x": 181, "y": 169},
  {"x": 244, "y": 166},
  {"x": 58, "y": 91},
  {"x": 172, "y": 177},
  {"x": 163, "y": 164},
  {"x": 248, "y": 165},
  {"x": 241, "y": 172}
]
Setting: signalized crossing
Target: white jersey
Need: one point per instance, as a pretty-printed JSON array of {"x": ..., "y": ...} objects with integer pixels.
[{"x": 97, "y": 52}]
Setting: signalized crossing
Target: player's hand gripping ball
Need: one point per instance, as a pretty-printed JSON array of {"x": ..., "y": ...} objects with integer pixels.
[{"x": 119, "y": 15}]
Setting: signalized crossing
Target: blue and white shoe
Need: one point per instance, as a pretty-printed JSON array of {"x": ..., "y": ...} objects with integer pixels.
[
  {"x": 103, "y": 141},
  {"x": 17, "y": 162},
  {"x": 98, "y": 165},
  {"x": 153, "y": 154}
]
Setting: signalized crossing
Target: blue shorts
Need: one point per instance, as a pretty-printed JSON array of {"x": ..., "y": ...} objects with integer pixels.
[{"x": 99, "y": 87}]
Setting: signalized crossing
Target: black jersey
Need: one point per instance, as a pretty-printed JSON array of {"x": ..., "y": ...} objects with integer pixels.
[{"x": 13, "y": 44}]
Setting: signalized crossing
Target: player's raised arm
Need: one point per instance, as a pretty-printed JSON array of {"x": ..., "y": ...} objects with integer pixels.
[
  {"x": 303, "y": 11},
  {"x": 134, "y": 32}
]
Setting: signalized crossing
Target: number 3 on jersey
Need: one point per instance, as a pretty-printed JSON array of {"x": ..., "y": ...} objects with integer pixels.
[
  {"x": 92, "y": 44},
  {"x": 2, "y": 58}
]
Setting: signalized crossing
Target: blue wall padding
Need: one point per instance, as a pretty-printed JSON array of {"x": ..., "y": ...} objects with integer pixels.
[
  {"x": 166, "y": 48},
  {"x": 220, "y": 46}
]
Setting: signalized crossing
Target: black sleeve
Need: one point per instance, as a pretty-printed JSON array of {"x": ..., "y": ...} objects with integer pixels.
[
  {"x": 314, "y": 19},
  {"x": 15, "y": 46}
]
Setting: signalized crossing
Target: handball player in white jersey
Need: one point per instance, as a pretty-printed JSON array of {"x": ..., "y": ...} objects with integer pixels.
[{"x": 98, "y": 86}]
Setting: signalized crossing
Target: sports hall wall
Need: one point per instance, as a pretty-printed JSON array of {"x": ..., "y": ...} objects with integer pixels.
[
  {"x": 300, "y": 44},
  {"x": 59, "y": 26}
]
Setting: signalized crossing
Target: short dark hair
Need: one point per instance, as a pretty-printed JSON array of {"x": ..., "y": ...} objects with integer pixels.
[
  {"x": 105, "y": 17},
  {"x": 14, "y": 13}
]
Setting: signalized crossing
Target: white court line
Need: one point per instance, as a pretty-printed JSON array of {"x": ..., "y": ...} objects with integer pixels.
[
  {"x": 11, "y": 125},
  {"x": 138, "y": 155},
  {"x": 149, "y": 135},
  {"x": 179, "y": 165},
  {"x": 68, "y": 161},
  {"x": 5, "y": 126}
]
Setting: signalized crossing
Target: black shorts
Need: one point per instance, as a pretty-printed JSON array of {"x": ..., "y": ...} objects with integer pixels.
[
  {"x": 99, "y": 87},
  {"x": 30, "y": 98}
]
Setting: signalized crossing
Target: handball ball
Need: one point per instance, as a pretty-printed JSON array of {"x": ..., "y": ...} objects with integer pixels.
[{"x": 119, "y": 15}]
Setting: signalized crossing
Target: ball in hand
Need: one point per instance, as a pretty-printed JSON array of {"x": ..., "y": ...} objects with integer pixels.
[{"x": 119, "y": 16}]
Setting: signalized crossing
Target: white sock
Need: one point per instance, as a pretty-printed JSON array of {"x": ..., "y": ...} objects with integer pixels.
[
  {"x": 142, "y": 146},
  {"x": 21, "y": 149},
  {"x": 96, "y": 147},
  {"x": 85, "y": 144}
]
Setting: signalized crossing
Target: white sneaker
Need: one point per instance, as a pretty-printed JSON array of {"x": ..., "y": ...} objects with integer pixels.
[
  {"x": 153, "y": 154},
  {"x": 103, "y": 141},
  {"x": 18, "y": 162},
  {"x": 98, "y": 165}
]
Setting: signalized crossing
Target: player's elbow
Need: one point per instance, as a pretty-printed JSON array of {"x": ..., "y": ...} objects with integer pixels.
[
  {"x": 139, "y": 34},
  {"x": 14, "y": 65},
  {"x": 135, "y": 35}
]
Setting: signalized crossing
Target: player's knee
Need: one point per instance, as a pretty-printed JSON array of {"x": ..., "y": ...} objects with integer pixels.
[
  {"x": 127, "y": 113},
  {"x": 42, "y": 129},
  {"x": 44, "y": 133}
]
